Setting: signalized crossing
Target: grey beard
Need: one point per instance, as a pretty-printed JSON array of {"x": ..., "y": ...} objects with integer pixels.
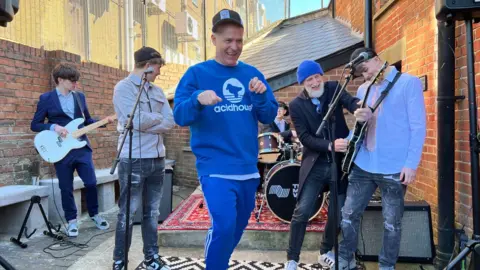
[{"x": 317, "y": 93}]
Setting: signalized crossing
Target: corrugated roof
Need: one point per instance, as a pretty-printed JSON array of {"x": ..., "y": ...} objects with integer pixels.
[{"x": 283, "y": 48}]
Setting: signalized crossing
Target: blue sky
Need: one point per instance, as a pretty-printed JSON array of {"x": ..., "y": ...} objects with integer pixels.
[
  {"x": 275, "y": 8},
  {"x": 299, "y": 7}
]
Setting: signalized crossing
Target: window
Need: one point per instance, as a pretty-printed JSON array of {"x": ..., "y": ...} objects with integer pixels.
[
  {"x": 195, "y": 2},
  {"x": 169, "y": 38}
]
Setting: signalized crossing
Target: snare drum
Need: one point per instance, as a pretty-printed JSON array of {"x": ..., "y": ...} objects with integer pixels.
[
  {"x": 282, "y": 190},
  {"x": 269, "y": 146}
]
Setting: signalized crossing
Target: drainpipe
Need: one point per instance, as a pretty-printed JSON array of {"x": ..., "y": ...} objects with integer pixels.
[
  {"x": 368, "y": 24},
  {"x": 144, "y": 23},
  {"x": 126, "y": 7},
  {"x": 332, "y": 2},
  {"x": 204, "y": 30},
  {"x": 446, "y": 142},
  {"x": 474, "y": 142},
  {"x": 131, "y": 32},
  {"x": 120, "y": 52},
  {"x": 86, "y": 29}
]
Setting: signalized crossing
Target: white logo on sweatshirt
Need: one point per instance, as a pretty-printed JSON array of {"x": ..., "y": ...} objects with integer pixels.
[{"x": 233, "y": 91}]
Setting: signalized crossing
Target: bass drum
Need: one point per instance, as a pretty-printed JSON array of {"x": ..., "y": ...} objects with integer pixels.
[{"x": 282, "y": 189}]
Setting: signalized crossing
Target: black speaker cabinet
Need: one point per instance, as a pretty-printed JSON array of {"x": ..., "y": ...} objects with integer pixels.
[
  {"x": 416, "y": 244},
  {"x": 457, "y": 10}
]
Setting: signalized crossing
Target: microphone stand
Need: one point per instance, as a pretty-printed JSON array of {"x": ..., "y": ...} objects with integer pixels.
[
  {"x": 329, "y": 121},
  {"x": 129, "y": 128},
  {"x": 5, "y": 264}
]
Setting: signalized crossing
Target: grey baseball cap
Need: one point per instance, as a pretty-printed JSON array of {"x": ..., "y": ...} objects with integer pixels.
[{"x": 226, "y": 16}]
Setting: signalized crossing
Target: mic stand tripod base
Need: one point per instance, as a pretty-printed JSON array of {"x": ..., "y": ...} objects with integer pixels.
[
  {"x": 35, "y": 200},
  {"x": 472, "y": 245}
]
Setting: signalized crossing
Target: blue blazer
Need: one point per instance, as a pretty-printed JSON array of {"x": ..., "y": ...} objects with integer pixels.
[{"x": 49, "y": 107}]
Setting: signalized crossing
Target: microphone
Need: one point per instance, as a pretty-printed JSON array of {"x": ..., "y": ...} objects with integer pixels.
[
  {"x": 148, "y": 70},
  {"x": 360, "y": 58}
]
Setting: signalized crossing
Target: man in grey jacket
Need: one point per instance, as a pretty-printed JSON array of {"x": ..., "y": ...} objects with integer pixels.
[{"x": 153, "y": 116}]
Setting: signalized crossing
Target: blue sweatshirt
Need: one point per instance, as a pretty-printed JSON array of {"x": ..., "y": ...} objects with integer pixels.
[{"x": 223, "y": 137}]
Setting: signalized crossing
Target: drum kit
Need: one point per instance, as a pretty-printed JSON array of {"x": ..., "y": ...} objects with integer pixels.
[{"x": 280, "y": 178}]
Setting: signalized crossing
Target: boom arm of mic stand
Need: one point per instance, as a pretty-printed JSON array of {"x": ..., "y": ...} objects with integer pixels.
[
  {"x": 129, "y": 125},
  {"x": 333, "y": 105}
]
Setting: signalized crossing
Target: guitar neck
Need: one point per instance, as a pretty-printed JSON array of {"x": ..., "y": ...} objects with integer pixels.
[
  {"x": 84, "y": 130},
  {"x": 374, "y": 80}
]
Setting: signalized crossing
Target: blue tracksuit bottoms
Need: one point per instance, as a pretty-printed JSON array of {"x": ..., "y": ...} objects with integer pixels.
[{"x": 230, "y": 204}]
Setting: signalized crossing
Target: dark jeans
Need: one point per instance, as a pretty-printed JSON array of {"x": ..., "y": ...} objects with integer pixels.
[
  {"x": 361, "y": 186},
  {"x": 317, "y": 180},
  {"x": 81, "y": 161},
  {"x": 146, "y": 189}
]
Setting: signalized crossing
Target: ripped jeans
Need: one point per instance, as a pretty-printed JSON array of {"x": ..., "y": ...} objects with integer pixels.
[
  {"x": 146, "y": 189},
  {"x": 361, "y": 186}
]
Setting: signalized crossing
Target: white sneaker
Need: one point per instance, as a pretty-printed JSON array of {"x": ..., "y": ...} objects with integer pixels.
[
  {"x": 72, "y": 229},
  {"x": 327, "y": 260},
  {"x": 100, "y": 222},
  {"x": 291, "y": 265}
]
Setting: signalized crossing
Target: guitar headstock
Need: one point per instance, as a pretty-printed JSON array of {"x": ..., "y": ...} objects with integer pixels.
[
  {"x": 377, "y": 77},
  {"x": 380, "y": 72}
]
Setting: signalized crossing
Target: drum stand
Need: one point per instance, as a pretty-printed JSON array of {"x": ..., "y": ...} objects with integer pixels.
[
  {"x": 261, "y": 195},
  {"x": 264, "y": 184}
]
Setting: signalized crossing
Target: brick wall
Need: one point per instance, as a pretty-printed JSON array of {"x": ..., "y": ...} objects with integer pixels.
[
  {"x": 414, "y": 21},
  {"x": 24, "y": 76},
  {"x": 351, "y": 11},
  {"x": 177, "y": 143}
]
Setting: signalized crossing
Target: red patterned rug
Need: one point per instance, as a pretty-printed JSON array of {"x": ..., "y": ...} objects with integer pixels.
[{"x": 189, "y": 216}]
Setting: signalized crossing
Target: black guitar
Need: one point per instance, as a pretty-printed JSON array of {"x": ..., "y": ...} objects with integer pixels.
[{"x": 360, "y": 129}]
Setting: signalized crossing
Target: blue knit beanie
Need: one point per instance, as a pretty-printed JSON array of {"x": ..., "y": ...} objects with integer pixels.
[{"x": 306, "y": 69}]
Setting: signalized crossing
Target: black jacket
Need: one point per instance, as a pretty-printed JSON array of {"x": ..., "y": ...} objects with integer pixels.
[{"x": 307, "y": 120}]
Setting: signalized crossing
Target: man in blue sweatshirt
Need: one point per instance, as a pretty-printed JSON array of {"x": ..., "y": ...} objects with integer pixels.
[{"x": 222, "y": 100}]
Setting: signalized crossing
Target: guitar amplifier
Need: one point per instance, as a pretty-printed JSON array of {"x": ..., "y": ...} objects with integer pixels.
[
  {"x": 416, "y": 244},
  {"x": 165, "y": 201}
]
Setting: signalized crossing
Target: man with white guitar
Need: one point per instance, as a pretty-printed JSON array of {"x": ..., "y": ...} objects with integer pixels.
[
  {"x": 388, "y": 156},
  {"x": 153, "y": 117},
  {"x": 61, "y": 106}
]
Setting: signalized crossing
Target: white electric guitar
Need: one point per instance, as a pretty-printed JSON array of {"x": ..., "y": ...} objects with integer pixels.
[{"x": 53, "y": 148}]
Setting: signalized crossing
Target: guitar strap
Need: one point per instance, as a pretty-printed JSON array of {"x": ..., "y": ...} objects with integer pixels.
[
  {"x": 384, "y": 93},
  {"x": 75, "y": 96}
]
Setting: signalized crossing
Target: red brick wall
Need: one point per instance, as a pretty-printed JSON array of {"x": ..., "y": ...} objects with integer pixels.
[
  {"x": 351, "y": 11},
  {"x": 415, "y": 21},
  {"x": 177, "y": 143},
  {"x": 24, "y": 76}
]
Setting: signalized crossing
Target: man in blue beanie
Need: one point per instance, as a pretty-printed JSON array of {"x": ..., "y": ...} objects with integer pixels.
[{"x": 307, "y": 111}]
